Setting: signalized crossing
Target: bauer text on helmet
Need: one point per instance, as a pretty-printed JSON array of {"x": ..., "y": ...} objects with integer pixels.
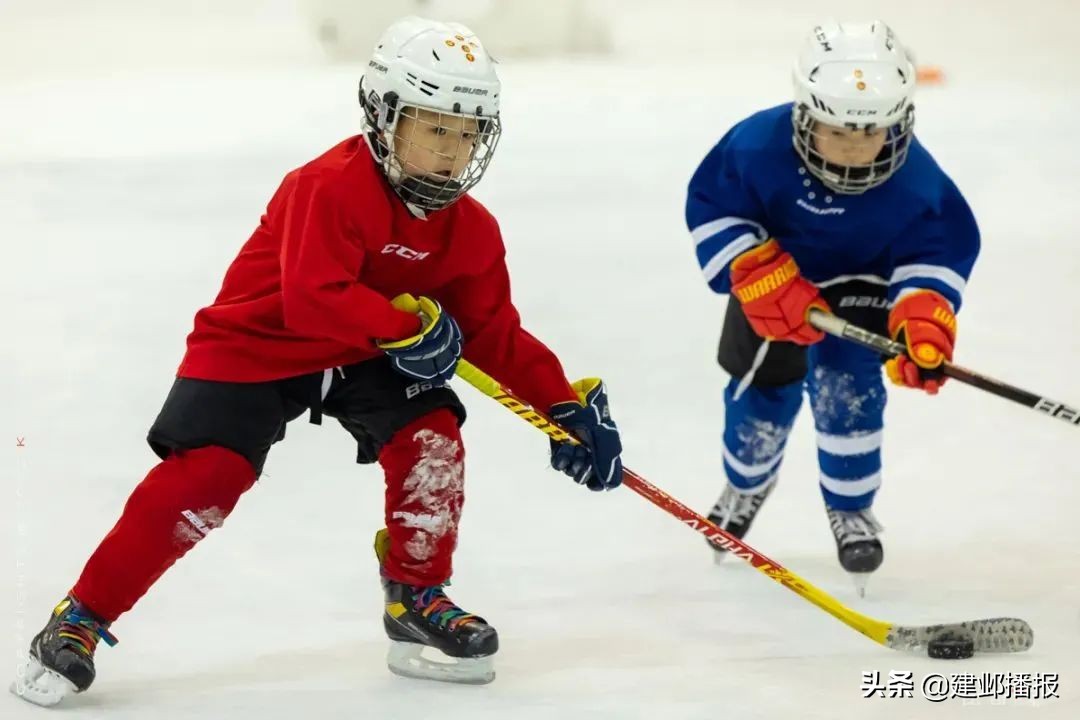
[
  {"x": 853, "y": 117},
  {"x": 431, "y": 103}
]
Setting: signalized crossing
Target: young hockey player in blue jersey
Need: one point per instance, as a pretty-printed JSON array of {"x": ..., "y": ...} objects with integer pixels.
[{"x": 832, "y": 203}]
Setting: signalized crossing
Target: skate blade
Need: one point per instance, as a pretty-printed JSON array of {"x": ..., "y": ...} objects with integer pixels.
[
  {"x": 405, "y": 659},
  {"x": 36, "y": 684},
  {"x": 860, "y": 580}
]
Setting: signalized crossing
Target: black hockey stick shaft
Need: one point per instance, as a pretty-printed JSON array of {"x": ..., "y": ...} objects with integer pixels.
[{"x": 841, "y": 328}]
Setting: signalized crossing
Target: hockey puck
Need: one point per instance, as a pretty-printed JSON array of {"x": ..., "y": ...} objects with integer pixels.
[{"x": 950, "y": 647}]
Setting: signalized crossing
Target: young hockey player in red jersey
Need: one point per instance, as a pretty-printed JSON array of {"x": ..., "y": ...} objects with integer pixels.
[{"x": 306, "y": 322}]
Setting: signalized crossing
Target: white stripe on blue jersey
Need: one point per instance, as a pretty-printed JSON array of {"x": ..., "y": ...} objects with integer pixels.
[{"x": 940, "y": 273}]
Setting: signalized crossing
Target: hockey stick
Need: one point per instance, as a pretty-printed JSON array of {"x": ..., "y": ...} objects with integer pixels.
[
  {"x": 841, "y": 328},
  {"x": 990, "y": 635}
]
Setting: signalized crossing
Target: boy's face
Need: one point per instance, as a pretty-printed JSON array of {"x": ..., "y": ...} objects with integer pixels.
[
  {"x": 433, "y": 145},
  {"x": 848, "y": 147}
]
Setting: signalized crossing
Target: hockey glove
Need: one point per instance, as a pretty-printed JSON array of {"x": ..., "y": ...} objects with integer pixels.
[
  {"x": 775, "y": 297},
  {"x": 596, "y": 462},
  {"x": 925, "y": 323},
  {"x": 433, "y": 353}
]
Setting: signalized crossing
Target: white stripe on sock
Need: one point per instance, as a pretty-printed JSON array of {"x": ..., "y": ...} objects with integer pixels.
[
  {"x": 853, "y": 487},
  {"x": 845, "y": 445},
  {"x": 749, "y": 471}
]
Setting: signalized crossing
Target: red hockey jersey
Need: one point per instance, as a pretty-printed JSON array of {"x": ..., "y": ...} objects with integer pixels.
[{"x": 310, "y": 289}]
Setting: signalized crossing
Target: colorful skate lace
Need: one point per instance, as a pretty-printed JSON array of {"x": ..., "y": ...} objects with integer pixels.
[
  {"x": 433, "y": 604},
  {"x": 80, "y": 629}
]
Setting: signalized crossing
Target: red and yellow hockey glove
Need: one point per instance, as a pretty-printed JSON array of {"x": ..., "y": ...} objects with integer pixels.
[
  {"x": 925, "y": 323},
  {"x": 775, "y": 297}
]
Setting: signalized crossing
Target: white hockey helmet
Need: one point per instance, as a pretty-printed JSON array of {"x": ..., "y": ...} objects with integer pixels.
[
  {"x": 857, "y": 76},
  {"x": 439, "y": 67}
]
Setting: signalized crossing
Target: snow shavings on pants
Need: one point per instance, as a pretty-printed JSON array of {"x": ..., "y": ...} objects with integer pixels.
[
  {"x": 196, "y": 525},
  {"x": 435, "y": 486},
  {"x": 840, "y": 404},
  {"x": 760, "y": 440}
]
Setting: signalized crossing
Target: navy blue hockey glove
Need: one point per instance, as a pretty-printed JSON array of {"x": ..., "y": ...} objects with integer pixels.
[
  {"x": 596, "y": 462},
  {"x": 433, "y": 353}
]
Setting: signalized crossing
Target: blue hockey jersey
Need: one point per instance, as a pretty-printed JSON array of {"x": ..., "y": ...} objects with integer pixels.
[{"x": 914, "y": 231}]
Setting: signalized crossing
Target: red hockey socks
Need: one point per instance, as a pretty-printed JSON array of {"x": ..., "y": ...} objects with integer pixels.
[
  {"x": 183, "y": 498},
  {"x": 425, "y": 473},
  {"x": 178, "y": 503}
]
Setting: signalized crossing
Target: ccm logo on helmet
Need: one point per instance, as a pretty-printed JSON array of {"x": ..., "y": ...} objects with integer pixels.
[
  {"x": 402, "y": 251},
  {"x": 819, "y": 33}
]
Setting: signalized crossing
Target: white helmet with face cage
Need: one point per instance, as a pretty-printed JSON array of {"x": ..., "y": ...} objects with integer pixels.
[
  {"x": 858, "y": 76},
  {"x": 439, "y": 67}
]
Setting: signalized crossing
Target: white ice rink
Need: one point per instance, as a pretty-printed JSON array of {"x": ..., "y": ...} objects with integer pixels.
[{"x": 136, "y": 156}]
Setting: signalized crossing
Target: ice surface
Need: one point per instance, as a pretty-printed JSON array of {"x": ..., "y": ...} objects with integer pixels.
[{"x": 124, "y": 194}]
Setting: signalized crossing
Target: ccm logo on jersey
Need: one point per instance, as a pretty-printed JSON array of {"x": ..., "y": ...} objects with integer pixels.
[{"x": 402, "y": 251}]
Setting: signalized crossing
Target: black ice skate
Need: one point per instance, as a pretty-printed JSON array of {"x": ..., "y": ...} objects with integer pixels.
[
  {"x": 857, "y": 545},
  {"x": 417, "y": 618},
  {"x": 735, "y": 511},
  {"x": 61, "y": 660}
]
